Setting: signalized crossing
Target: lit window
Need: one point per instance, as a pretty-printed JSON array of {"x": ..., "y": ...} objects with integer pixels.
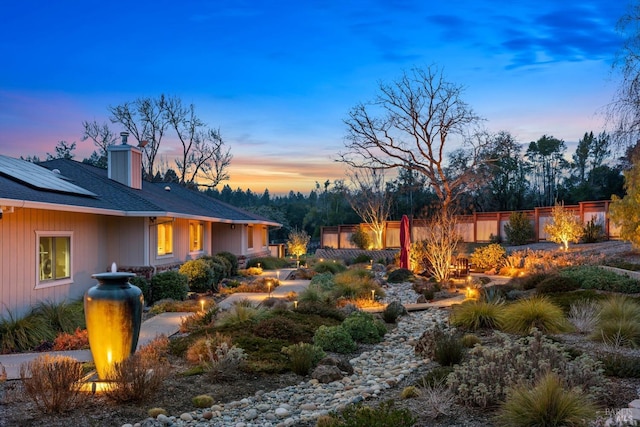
[
  {"x": 54, "y": 258},
  {"x": 165, "y": 238},
  {"x": 250, "y": 236},
  {"x": 265, "y": 237},
  {"x": 196, "y": 234}
]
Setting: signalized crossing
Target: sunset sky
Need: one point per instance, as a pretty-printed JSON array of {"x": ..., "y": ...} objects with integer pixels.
[{"x": 279, "y": 77}]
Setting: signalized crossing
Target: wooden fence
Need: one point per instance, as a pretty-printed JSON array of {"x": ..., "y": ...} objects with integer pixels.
[{"x": 479, "y": 227}]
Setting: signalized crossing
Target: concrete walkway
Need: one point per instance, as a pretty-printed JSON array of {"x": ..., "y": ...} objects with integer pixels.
[{"x": 162, "y": 324}]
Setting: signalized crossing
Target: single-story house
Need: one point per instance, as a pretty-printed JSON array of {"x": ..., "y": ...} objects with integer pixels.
[{"x": 62, "y": 221}]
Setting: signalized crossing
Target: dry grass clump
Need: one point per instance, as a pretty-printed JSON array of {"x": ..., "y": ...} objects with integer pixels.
[
  {"x": 536, "y": 312},
  {"x": 474, "y": 315},
  {"x": 141, "y": 375},
  {"x": 584, "y": 315},
  {"x": 53, "y": 382},
  {"x": 548, "y": 403},
  {"x": 619, "y": 322},
  {"x": 198, "y": 352}
]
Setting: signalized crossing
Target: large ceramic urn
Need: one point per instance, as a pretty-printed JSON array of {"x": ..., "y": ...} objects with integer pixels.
[{"x": 113, "y": 311}]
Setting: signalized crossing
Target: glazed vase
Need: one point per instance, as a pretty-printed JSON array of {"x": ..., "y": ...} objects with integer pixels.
[{"x": 113, "y": 311}]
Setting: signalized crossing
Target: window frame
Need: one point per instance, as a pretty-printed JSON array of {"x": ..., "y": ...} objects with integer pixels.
[
  {"x": 48, "y": 283},
  {"x": 166, "y": 254},
  {"x": 250, "y": 236},
  {"x": 199, "y": 227}
]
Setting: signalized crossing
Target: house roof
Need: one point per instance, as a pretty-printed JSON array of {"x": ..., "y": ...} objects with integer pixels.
[{"x": 113, "y": 198}]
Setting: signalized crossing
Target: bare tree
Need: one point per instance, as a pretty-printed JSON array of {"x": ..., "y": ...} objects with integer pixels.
[
  {"x": 145, "y": 120},
  {"x": 370, "y": 200},
  {"x": 623, "y": 113},
  {"x": 210, "y": 161},
  {"x": 410, "y": 125},
  {"x": 203, "y": 153},
  {"x": 102, "y": 137},
  {"x": 436, "y": 245}
]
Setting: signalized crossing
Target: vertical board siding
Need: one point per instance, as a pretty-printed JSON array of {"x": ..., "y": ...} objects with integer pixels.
[{"x": 19, "y": 261}]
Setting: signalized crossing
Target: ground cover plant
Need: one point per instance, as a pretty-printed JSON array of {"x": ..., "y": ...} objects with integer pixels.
[{"x": 597, "y": 278}]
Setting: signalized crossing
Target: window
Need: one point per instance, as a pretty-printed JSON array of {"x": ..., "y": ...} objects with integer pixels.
[
  {"x": 53, "y": 258},
  {"x": 265, "y": 236},
  {"x": 196, "y": 234},
  {"x": 165, "y": 238},
  {"x": 250, "y": 236}
]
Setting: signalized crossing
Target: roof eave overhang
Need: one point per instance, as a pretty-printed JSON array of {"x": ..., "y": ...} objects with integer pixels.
[{"x": 114, "y": 212}]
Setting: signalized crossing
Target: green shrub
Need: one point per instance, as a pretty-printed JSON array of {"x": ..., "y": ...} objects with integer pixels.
[
  {"x": 360, "y": 238},
  {"x": 399, "y": 275},
  {"x": 228, "y": 266},
  {"x": 474, "y": 315},
  {"x": 362, "y": 259},
  {"x": 449, "y": 351},
  {"x": 594, "y": 277},
  {"x": 592, "y": 231},
  {"x": 240, "y": 315},
  {"x": 437, "y": 375},
  {"x": 355, "y": 283},
  {"x": 519, "y": 230},
  {"x": 202, "y": 401},
  {"x": 557, "y": 284},
  {"x": 19, "y": 334},
  {"x": 220, "y": 268},
  {"x": 323, "y": 281},
  {"x": 619, "y": 322},
  {"x": 279, "y": 327},
  {"x": 470, "y": 340},
  {"x": 268, "y": 263},
  {"x": 364, "y": 328},
  {"x": 488, "y": 257},
  {"x": 485, "y": 377},
  {"x": 329, "y": 267},
  {"x": 303, "y": 357},
  {"x": 384, "y": 415},
  {"x": 199, "y": 274},
  {"x": 321, "y": 309},
  {"x": 169, "y": 284},
  {"x": 619, "y": 365},
  {"x": 566, "y": 300},
  {"x": 61, "y": 316},
  {"x": 233, "y": 260},
  {"x": 535, "y": 312},
  {"x": 529, "y": 281},
  {"x": 548, "y": 403},
  {"x": 334, "y": 338},
  {"x": 144, "y": 285}
]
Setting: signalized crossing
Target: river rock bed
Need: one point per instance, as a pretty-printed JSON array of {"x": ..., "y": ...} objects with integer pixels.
[{"x": 383, "y": 367}]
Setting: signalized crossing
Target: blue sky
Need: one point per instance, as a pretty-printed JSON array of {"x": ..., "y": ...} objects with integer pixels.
[{"x": 279, "y": 77}]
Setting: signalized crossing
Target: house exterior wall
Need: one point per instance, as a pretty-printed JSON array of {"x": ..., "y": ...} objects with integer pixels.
[
  {"x": 125, "y": 241},
  {"x": 224, "y": 238},
  {"x": 19, "y": 248}
]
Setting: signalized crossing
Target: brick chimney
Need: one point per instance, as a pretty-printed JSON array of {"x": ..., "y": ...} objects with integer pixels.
[{"x": 124, "y": 163}]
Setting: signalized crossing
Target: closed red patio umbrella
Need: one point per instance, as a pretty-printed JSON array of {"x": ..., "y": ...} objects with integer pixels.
[{"x": 405, "y": 242}]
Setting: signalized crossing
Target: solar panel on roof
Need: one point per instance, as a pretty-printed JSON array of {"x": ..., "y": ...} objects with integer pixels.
[{"x": 38, "y": 177}]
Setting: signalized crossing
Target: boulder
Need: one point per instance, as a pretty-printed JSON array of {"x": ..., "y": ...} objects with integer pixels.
[
  {"x": 326, "y": 373},
  {"x": 342, "y": 364}
]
